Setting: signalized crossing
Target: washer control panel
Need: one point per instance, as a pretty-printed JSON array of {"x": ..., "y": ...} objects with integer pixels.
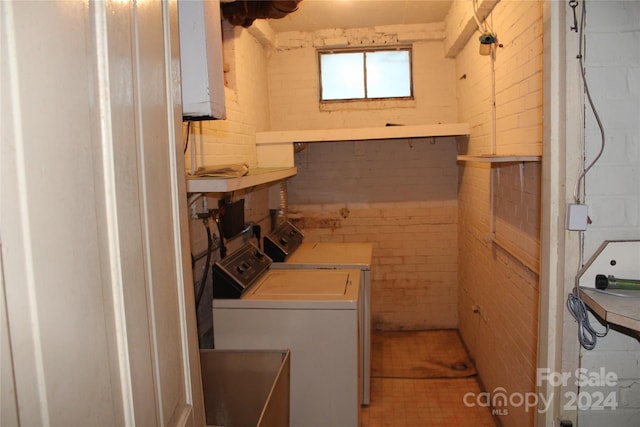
[{"x": 238, "y": 271}]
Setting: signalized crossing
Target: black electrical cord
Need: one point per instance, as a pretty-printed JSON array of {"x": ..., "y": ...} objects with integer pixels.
[
  {"x": 186, "y": 138},
  {"x": 258, "y": 233},
  {"x": 223, "y": 248},
  {"x": 203, "y": 280}
]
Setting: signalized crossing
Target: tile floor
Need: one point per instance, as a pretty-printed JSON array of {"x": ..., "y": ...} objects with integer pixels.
[{"x": 404, "y": 394}]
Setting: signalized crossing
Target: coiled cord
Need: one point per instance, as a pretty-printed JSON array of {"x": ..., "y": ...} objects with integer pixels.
[{"x": 586, "y": 334}]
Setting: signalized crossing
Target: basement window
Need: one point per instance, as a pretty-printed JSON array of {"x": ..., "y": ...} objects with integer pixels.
[{"x": 365, "y": 74}]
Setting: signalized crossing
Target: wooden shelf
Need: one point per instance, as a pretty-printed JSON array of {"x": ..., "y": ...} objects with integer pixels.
[
  {"x": 360, "y": 134},
  {"x": 255, "y": 177},
  {"x": 614, "y": 309},
  {"x": 494, "y": 158}
]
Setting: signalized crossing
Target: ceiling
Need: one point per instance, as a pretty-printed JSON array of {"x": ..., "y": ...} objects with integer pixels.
[{"x": 315, "y": 15}]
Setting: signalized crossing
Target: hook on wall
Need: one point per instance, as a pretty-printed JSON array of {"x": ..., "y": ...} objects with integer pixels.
[{"x": 573, "y": 4}]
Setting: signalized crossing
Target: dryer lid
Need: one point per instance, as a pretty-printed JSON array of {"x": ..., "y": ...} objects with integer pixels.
[{"x": 344, "y": 255}]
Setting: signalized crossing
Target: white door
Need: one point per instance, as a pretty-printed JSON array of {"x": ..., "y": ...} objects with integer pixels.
[{"x": 99, "y": 327}]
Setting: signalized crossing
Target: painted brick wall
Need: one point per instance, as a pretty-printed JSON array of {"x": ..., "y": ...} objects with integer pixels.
[
  {"x": 517, "y": 210},
  {"x": 401, "y": 196},
  {"x": 402, "y": 199},
  {"x": 247, "y": 103},
  {"x": 612, "y": 189},
  {"x": 294, "y": 87},
  {"x": 498, "y": 294}
]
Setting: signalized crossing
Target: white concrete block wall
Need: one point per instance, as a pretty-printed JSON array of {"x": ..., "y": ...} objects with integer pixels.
[
  {"x": 498, "y": 294},
  {"x": 612, "y": 64}
]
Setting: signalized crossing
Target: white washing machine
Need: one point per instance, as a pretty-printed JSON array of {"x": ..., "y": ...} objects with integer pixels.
[
  {"x": 314, "y": 313},
  {"x": 285, "y": 246}
]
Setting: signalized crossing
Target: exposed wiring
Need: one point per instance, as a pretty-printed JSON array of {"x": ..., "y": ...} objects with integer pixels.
[
  {"x": 192, "y": 199},
  {"x": 576, "y": 191},
  {"x": 488, "y": 38},
  {"x": 482, "y": 26},
  {"x": 258, "y": 235},
  {"x": 205, "y": 273},
  {"x": 198, "y": 257},
  {"x": 587, "y": 335},
  {"x": 223, "y": 248},
  {"x": 186, "y": 138}
]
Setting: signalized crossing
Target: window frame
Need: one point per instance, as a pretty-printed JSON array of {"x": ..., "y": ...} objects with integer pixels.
[{"x": 364, "y": 51}]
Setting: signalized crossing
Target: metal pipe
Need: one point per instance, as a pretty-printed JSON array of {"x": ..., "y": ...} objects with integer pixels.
[
  {"x": 281, "y": 215},
  {"x": 610, "y": 282}
]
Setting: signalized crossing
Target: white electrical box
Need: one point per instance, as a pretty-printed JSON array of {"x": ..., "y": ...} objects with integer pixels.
[
  {"x": 201, "y": 60},
  {"x": 577, "y": 217}
]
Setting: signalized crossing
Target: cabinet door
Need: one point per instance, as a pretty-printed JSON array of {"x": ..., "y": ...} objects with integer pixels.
[{"x": 100, "y": 324}]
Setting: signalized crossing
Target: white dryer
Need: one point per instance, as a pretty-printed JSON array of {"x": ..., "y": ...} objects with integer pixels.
[
  {"x": 286, "y": 247},
  {"x": 314, "y": 313}
]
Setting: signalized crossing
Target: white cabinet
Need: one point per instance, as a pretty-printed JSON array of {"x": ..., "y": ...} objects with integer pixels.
[{"x": 201, "y": 60}]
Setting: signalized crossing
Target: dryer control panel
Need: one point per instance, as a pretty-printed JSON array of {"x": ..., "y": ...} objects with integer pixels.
[
  {"x": 282, "y": 242},
  {"x": 238, "y": 271}
]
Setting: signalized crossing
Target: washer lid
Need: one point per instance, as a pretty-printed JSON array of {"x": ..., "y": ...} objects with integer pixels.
[{"x": 308, "y": 285}]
